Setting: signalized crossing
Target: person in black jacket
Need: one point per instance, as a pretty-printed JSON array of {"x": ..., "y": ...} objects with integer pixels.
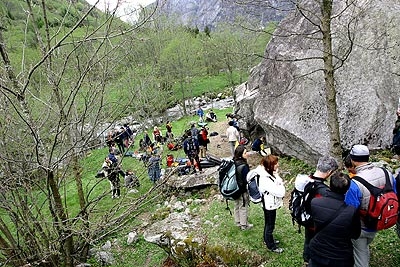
[
  {"x": 335, "y": 225},
  {"x": 192, "y": 149},
  {"x": 396, "y": 135},
  {"x": 242, "y": 203},
  {"x": 325, "y": 167}
]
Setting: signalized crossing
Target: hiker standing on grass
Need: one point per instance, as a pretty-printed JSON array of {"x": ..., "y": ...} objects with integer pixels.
[
  {"x": 200, "y": 113},
  {"x": 170, "y": 135},
  {"x": 153, "y": 167},
  {"x": 359, "y": 196},
  {"x": 335, "y": 225},
  {"x": 118, "y": 138},
  {"x": 272, "y": 187},
  {"x": 157, "y": 136},
  {"x": 233, "y": 136},
  {"x": 325, "y": 167},
  {"x": 242, "y": 203}
]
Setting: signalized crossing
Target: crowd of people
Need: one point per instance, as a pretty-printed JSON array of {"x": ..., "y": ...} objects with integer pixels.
[
  {"x": 338, "y": 234},
  {"x": 194, "y": 142}
]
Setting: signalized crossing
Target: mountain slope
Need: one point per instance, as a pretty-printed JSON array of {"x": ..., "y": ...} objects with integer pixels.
[{"x": 210, "y": 13}]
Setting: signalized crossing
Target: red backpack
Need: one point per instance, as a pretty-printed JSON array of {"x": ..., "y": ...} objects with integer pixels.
[{"x": 383, "y": 207}]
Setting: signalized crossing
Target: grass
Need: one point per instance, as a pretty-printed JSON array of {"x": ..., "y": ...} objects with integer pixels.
[
  {"x": 223, "y": 236},
  {"x": 226, "y": 239}
]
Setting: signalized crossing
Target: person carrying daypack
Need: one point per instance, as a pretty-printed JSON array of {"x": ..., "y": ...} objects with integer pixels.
[
  {"x": 191, "y": 148},
  {"x": 316, "y": 188},
  {"x": 232, "y": 183},
  {"x": 336, "y": 224},
  {"x": 272, "y": 189},
  {"x": 360, "y": 197},
  {"x": 299, "y": 198}
]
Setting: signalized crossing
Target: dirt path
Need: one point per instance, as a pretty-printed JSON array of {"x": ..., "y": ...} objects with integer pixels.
[{"x": 219, "y": 145}]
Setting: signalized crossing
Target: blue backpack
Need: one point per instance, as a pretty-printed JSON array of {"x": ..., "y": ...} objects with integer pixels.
[{"x": 253, "y": 179}]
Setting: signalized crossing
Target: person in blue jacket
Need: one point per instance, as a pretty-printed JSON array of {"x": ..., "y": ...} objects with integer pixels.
[
  {"x": 358, "y": 197},
  {"x": 200, "y": 113}
]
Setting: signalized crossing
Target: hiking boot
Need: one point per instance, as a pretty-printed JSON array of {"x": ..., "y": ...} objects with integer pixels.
[
  {"x": 246, "y": 227},
  {"x": 277, "y": 250}
]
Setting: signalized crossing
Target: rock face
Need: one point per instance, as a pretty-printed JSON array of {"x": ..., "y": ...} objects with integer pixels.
[
  {"x": 285, "y": 98},
  {"x": 202, "y": 13}
]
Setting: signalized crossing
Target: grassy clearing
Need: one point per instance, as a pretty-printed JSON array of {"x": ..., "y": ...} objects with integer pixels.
[{"x": 222, "y": 233}]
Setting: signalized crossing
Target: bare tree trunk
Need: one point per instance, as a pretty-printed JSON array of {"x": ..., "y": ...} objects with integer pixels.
[
  {"x": 63, "y": 228},
  {"x": 330, "y": 90}
]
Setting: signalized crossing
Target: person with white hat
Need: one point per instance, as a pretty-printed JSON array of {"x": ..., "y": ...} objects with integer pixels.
[{"x": 358, "y": 196}]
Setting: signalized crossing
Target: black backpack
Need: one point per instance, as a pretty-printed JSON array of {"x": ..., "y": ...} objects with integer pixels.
[
  {"x": 191, "y": 146},
  {"x": 300, "y": 204}
]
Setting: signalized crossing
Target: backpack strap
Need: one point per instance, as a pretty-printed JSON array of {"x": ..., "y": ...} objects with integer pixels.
[
  {"x": 262, "y": 193},
  {"x": 373, "y": 189}
]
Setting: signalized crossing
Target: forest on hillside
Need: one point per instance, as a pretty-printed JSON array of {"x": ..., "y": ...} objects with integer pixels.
[{"x": 66, "y": 68}]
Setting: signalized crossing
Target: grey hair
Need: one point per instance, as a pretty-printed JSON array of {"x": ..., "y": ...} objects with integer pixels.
[{"x": 327, "y": 164}]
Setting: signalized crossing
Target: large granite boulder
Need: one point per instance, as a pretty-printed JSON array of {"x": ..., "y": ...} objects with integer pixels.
[{"x": 284, "y": 96}]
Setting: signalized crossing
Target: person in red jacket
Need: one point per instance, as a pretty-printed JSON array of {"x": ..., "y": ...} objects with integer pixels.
[{"x": 203, "y": 141}]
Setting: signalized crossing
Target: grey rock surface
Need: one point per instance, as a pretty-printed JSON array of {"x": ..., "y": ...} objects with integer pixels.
[
  {"x": 284, "y": 96},
  {"x": 208, "y": 177}
]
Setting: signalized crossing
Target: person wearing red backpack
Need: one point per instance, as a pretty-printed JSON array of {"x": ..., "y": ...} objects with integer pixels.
[{"x": 359, "y": 196}]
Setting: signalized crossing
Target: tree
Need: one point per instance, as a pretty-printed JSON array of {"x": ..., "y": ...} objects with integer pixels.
[
  {"x": 180, "y": 62},
  {"x": 52, "y": 102},
  {"x": 232, "y": 49}
]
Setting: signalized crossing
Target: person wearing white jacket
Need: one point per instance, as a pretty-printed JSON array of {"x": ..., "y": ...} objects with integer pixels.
[{"x": 273, "y": 189}]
